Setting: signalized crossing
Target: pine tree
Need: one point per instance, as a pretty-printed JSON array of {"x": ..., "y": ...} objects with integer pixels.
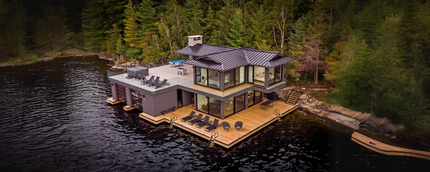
[
  {"x": 260, "y": 27},
  {"x": 175, "y": 19},
  {"x": 210, "y": 24},
  {"x": 194, "y": 14},
  {"x": 113, "y": 14},
  {"x": 112, "y": 40},
  {"x": 282, "y": 15},
  {"x": 131, "y": 29},
  {"x": 222, "y": 25},
  {"x": 91, "y": 26},
  {"x": 236, "y": 36},
  {"x": 146, "y": 17},
  {"x": 340, "y": 57},
  {"x": 15, "y": 31},
  {"x": 120, "y": 49}
]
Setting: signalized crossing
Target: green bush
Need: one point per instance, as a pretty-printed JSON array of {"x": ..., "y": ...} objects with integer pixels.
[
  {"x": 14, "y": 59},
  {"x": 31, "y": 57},
  {"x": 53, "y": 54}
]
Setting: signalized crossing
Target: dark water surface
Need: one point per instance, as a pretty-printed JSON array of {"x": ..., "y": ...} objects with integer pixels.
[{"x": 53, "y": 117}]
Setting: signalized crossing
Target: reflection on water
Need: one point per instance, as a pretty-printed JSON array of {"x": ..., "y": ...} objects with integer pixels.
[{"x": 54, "y": 118}]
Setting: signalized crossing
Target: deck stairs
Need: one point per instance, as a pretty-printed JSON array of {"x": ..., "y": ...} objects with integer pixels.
[{"x": 293, "y": 97}]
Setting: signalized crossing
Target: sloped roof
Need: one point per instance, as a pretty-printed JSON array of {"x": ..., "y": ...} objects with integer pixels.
[{"x": 226, "y": 58}]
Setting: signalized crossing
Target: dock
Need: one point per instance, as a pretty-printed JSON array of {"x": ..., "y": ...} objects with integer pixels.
[
  {"x": 254, "y": 119},
  {"x": 387, "y": 149},
  {"x": 111, "y": 101}
]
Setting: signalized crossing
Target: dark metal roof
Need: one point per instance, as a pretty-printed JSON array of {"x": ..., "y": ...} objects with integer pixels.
[
  {"x": 203, "y": 50},
  {"x": 226, "y": 58}
]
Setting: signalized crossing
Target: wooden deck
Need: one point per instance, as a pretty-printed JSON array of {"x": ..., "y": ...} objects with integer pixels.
[
  {"x": 111, "y": 101},
  {"x": 253, "y": 118},
  {"x": 386, "y": 148}
]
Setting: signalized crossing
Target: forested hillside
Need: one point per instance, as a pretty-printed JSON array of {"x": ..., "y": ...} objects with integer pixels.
[{"x": 376, "y": 52}]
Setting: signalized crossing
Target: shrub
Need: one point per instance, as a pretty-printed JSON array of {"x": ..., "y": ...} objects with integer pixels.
[
  {"x": 53, "y": 54},
  {"x": 31, "y": 57},
  {"x": 14, "y": 59}
]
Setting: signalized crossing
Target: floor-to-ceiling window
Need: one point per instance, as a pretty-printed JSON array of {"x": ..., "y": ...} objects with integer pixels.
[
  {"x": 275, "y": 74},
  {"x": 240, "y": 75},
  {"x": 278, "y": 73},
  {"x": 271, "y": 75},
  {"x": 239, "y": 103},
  {"x": 214, "y": 107},
  {"x": 228, "y": 79},
  {"x": 254, "y": 97},
  {"x": 213, "y": 79},
  {"x": 228, "y": 107},
  {"x": 259, "y": 75},
  {"x": 250, "y": 98},
  {"x": 202, "y": 103}
]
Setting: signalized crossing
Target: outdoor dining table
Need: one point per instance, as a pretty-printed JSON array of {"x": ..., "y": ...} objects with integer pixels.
[{"x": 182, "y": 71}]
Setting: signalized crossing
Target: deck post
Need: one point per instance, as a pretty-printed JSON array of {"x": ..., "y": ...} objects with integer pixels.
[
  {"x": 221, "y": 107},
  {"x": 246, "y": 100},
  {"x": 221, "y": 81},
  {"x": 114, "y": 93},
  {"x": 195, "y": 101},
  {"x": 266, "y": 78},
  {"x": 128, "y": 96}
]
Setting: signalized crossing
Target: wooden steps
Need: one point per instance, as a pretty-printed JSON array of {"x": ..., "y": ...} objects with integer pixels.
[
  {"x": 112, "y": 101},
  {"x": 387, "y": 149},
  {"x": 292, "y": 99}
]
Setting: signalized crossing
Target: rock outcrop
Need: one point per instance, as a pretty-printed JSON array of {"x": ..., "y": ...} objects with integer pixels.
[{"x": 347, "y": 117}]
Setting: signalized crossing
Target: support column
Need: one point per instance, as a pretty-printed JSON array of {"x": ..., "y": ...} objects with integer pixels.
[
  {"x": 246, "y": 100},
  {"x": 221, "y": 105},
  {"x": 114, "y": 93},
  {"x": 195, "y": 101},
  {"x": 221, "y": 81},
  {"x": 128, "y": 96}
]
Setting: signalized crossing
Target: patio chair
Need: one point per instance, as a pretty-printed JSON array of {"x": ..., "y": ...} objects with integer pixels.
[
  {"x": 188, "y": 117},
  {"x": 198, "y": 119},
  {"x": 149, "y": 84},
  {"x": 205, "y": 122},
  {"x": 140, "y": 77},
  {"x": 225, "y": 125},
  {"x": 213, "y": 126},
  {"x": 238, "y": 125},
  {"x": 146, "y": 81},
  {"x": 164, "y": 82}
]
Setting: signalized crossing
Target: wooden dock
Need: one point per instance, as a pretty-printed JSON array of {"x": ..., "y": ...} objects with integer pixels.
[
  {"x": 254, "y": 119},
  {"x": 111, "y": 101},
  {"x": 387, "y": 149}
]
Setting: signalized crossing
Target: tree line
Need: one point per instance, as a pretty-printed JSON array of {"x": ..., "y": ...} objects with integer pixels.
[{"x": 376, "y": 52}]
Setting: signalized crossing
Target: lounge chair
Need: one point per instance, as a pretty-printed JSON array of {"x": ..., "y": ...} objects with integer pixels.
[
  {"x": 198, "y": 119},
  {"x": 238, "y": 125},
  {"x": 205, "y": 122},
  {"x": 188, "y": 117},
  {"x": 146, "y": 81},
  {"x": 149, "y": 84},
  {"x": 157, "y": 85},
  {"x": 213, "y": 126},
  {"x": 225, "y": 125}
]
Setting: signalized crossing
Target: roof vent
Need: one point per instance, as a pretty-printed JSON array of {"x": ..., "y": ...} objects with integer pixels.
[{"x": 193, "y": 40}]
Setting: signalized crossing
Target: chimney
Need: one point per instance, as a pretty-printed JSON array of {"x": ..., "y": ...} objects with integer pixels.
[{"x": 193, "y": 40}]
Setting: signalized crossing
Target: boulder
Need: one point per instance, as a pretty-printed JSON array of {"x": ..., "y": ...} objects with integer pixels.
[
  {"x": 303, "y": 97},
  {"x": 363, "y": 117}
]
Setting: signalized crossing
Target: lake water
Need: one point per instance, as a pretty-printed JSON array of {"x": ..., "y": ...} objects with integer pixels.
[{"x": 53, "y": 117}]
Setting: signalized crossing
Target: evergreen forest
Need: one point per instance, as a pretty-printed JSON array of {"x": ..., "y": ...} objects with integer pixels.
[{"x": 375, "y": 52}]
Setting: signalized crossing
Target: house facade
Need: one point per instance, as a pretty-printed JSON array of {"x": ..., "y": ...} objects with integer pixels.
[{"x": 221, "y": 81}]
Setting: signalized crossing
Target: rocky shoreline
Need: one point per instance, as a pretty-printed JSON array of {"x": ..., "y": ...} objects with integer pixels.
[
  {"x": 353, "y": 119},
  {"x": 73, "y": 53}
]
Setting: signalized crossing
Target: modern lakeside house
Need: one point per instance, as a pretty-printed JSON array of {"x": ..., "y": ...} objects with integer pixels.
[{"x": 217, "y": 81}]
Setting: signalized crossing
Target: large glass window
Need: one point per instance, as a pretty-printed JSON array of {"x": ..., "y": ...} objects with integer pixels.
[
  {"x": 214, "y": 107},
  {"x": 250, "y": 98},
  {"x": 239, "y": 103},
  {"x": 202, "y": 103},
  {"x": 229, "y": 79},
  {"x": 275, "y": 74},
  {"x": 213, "y": 78},
  {"x": 250, "y": 74},
  {"x": 259, "y": 75},
  {"x": 228, "y": 107},
  {"x": 258, "y": 98},
  {"x": 240, "y": 75},
  {"x": 271, "y": 75},
  {"x": 278, "y": 73},
  {"x": 201, "y": 76}
]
